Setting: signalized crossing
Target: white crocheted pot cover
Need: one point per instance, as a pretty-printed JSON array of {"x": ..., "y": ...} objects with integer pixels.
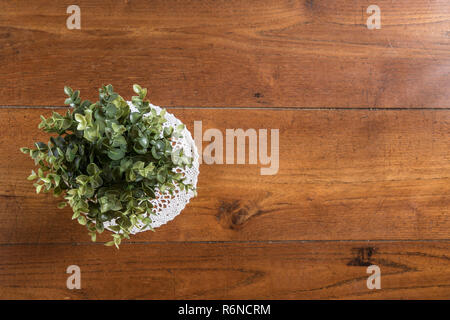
[{"x": 166, "y": 206}]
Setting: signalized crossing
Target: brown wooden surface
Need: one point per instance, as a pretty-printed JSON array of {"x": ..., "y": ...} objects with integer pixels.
[
  {"x": 230, "y": 53},
  {"x": 344, "y": 175},
  {"x": 363, "y": 176},
  {"x": 183, "y": 270}
]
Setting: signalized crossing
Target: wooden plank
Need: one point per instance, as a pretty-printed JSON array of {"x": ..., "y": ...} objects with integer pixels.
[
  {"x": 343, "y": 175},
  {"x": 227, "y": 271},
  {"x": 230, "y": 53}
]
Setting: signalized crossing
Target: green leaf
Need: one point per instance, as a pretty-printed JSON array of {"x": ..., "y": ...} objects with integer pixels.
[
  {"x": 82, "y": 220},
  {"x": 75, "y": 215},
  {"x": 82, "y": 123},
  {"x": 41, "y": 146},
  {"x": 111, "y": 111},
  {"x": 143, "y": 141},
  {"x": 62, "y": 205},
  {"x": 116, "y": 154},
  {"x": 39, "y": 188},
  {"x": 56, "y": 179},
  {"x": 32, "y": 176},
  {"x": 99, "y": 227},
  {"x": 168, "y": 131},
  {"x": 137, "y": 88},
  {"x": 161, "y": 176},
  {"x": 70, "y": 154},
  {"x": 137, "y": 101},
  {"x": 75, "y": 95},
  {"x": 143, "y": 93},
  {"x": 160, "y": 146},
  {"x": 156, "y": 154},
  {"x": 117, "y": 240},
  {"x": 92, "y": 169},
  {"x": 108, "y": 203},
  {"x": 135, "y": 117},
  {"x": 119, "y": 129},
  {"x": 68, "y": 91},
  {"x": 82, "y": 179}
]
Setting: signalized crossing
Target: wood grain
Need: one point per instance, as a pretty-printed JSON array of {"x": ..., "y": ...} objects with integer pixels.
[
  {"x": 227, "y": 270},
  {"x": 267, "y": 53},
  {"x": 363, "y": 176},
  {"x": 343, "y": 175}
]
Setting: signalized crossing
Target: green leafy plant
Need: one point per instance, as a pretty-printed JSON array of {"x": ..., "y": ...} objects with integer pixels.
[{"x": 107, "y": 161}]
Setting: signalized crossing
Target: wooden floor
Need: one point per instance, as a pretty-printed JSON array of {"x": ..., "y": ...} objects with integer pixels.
[{"x": 364, "y": 126}]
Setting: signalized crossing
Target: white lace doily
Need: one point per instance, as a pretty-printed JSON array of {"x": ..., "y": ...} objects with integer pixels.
[{"x": 166, "y": 206}]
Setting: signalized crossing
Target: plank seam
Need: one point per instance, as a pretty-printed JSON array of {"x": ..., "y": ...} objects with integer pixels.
[{"x": 226, "y": 242}]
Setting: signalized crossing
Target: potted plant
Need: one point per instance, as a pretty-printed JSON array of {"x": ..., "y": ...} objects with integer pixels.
[{"x": 112, "y": 161}]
